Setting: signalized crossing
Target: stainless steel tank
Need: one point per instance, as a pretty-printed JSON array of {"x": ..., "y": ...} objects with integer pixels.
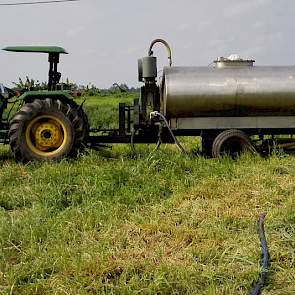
[{"x": 228, "y": 91}]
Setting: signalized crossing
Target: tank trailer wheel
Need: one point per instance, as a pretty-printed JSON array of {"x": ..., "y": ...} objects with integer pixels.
[
  {"x": 46, "y": 129},
  {"x": 231, "y": 142}
]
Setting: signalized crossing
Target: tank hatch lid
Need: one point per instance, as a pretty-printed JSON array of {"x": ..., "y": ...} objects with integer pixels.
[
  {"x": 233, "y": 60},
  {"x": 38, "y": 49}
]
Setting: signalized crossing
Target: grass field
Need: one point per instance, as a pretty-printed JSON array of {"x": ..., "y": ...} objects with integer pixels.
[{"x": 107, "y": 223}]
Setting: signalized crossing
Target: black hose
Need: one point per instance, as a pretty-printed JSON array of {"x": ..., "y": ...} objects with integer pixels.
[
  {"x": 265, "y": 258},
  {"x": 132, "y": 146},
  {"x": 178, "y": 144}
]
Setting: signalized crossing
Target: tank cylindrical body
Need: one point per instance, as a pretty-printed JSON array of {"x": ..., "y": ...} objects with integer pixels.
[{"x": 239, "y": 91}]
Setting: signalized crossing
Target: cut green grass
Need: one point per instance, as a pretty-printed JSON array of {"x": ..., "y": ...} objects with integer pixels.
[{"x": 158, "y": 224}]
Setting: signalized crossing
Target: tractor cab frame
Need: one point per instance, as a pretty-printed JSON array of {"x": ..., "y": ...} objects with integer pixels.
[{"x": 53, "y": 59}]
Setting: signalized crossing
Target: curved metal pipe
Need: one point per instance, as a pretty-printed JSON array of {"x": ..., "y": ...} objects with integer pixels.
[{"x": 165, "y": 43}]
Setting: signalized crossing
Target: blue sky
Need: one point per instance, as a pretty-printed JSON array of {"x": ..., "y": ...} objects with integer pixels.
[{"x": 105, "y": 38}]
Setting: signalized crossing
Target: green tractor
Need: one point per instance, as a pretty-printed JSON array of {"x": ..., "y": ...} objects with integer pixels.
[{"x": 48, "y": 125}]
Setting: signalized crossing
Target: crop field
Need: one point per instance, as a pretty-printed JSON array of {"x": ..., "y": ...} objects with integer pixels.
[{"x": 160, "y": 223}]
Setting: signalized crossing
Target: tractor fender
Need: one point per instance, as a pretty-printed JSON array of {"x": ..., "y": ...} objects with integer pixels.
[
  {"x": 29, "y": 96},
  {"x": 65, "y": 97}
]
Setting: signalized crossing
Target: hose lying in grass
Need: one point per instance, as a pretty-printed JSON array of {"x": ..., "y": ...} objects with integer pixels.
[
  {"x": 132, "y": 146},
  {"x": 265, "y": 258},
  {"x": 178, "y": 144}
]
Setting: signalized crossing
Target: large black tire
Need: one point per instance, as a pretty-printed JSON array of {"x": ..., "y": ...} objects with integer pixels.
[
  {"x": 47, "y": 129},
  {"x": 231, "y": 142}
]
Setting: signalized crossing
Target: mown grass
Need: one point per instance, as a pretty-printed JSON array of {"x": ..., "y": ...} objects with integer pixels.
[{"x": 107, "y": 223}]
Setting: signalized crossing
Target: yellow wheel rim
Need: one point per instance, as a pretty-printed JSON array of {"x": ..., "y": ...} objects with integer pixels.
[{"x": 46, "y": 135}]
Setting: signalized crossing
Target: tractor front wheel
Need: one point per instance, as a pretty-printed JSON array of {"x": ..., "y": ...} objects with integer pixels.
[{"x": 46, "y": 130}]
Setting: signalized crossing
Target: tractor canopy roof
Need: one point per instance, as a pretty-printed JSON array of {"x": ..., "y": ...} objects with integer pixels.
[{"x": 39, "y": 49}]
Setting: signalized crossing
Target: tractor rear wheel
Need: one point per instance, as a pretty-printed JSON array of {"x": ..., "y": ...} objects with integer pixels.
[{"x": 47, "y": 129}]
